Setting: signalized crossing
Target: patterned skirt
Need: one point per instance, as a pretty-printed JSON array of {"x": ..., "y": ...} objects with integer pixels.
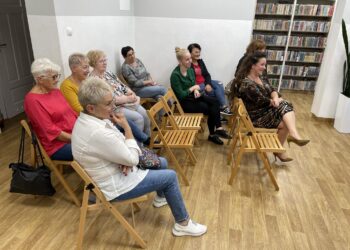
[{"x": 270, "y": 117}]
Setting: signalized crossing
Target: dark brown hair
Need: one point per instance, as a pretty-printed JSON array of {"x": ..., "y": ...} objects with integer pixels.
[{"x": 244, "y": 70}]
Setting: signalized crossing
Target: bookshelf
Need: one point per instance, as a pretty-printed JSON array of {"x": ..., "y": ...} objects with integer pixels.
[{"x": 295, "y": 32}]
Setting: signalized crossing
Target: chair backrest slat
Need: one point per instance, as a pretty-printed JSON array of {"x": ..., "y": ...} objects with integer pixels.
[
  {"x": 87, "y": 179},
  {"x": 170, "y": 95}
]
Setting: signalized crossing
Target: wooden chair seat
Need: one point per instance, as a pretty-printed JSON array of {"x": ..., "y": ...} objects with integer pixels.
[
  {"x": 147, "y": 101},
  {"x": 177, "y": 138},
  {"x": 188, "y": 121},
  {"x": 182, "y": 120},
  {"x": 267, "y": 142}
]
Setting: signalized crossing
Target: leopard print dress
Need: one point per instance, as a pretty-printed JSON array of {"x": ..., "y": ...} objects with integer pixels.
[{"x": 257, "y": 98}]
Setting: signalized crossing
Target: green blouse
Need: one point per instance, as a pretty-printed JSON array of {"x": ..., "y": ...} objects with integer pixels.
[{"x": 181, "y": 84}]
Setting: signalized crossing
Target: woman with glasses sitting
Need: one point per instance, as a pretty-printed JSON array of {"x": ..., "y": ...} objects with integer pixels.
[{"x": 50, "y": 115}]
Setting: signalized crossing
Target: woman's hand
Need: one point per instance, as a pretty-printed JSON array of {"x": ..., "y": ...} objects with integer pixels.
[
  {"x": 132, "y": 98},
  {"x": 150, "y": 83},
  {"x": 208, "y": 88},
  {"x": 125, "y": 169},
  {"x": 196, "y": 93},
  {"x": 119, "y": 118},
  {"x": 194, "y": 87},
  {"x": 275, "y": 102}
]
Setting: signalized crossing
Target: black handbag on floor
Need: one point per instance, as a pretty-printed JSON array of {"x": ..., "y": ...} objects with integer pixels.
[{"x": 30, "y": 179}]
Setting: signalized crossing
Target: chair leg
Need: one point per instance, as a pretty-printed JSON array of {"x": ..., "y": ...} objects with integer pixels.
[
  {"x": 178, "y": 167},
  {"x": 83, "y": 212},
  {"x": 268, "y": 168},
  {"x": 136, "y": 207},
  {"x": 126, "y": 225},
  {"x": 232, "y": 149},
  {"x": 132, "y": 214},
  {"x": 65, "y": 185},
  {"x": 236, "y": 163},
  {"x": 32, "y": 155},
  {"x": 191, "y": 155}
]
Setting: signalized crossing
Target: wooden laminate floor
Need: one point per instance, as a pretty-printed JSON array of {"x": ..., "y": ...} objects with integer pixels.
[{"x": 311, "y": 210}]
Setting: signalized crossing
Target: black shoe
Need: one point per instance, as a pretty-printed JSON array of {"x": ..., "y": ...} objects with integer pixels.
[
  {"x": 215, "y": 139},
  {"x": 223, "y": 134},
  {"x": 226, "y": 111}
]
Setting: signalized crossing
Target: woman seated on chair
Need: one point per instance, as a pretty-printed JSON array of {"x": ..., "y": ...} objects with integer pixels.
[
  {"x": 210, "y": 87},
  {"x": 125, "y": 99},
  {"x": 183, "y": 82},
  {"x": 79, "y": 66},
  {"x": 110, "y": 158},
  {"x": 138, "y": 78},
  {"x": 265, "y": 107},
  {"x": 50, "y": 116}
]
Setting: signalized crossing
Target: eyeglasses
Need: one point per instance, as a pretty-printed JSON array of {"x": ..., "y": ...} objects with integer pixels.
[
  {"x": 103, "y": 60},
  {"x": 54, "y": 77}
]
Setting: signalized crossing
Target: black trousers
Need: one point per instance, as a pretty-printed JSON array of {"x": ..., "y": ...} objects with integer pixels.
[{"x": 208, "y": 106}]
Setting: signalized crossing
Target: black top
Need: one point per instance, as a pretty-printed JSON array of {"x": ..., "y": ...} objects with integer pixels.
[
  {"x": 205, "y": 73},
  {"x": 240, "y": 63}
]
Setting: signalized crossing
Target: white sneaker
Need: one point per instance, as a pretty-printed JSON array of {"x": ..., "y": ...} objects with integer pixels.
[
  {"x": 159, "y": 201},
  {"x": 192, "y": 229}
]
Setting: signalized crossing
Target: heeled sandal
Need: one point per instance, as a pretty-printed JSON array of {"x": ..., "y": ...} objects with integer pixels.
[
  {"x": 299, "y": 142},
  {"x": 287, "y": 159}
]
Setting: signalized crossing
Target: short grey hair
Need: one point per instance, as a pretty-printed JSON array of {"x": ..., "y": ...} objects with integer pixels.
[
  {"x": 76, "y": 59},
  {"x": 42, "y": 66},
  {"x": 92, "y": 91}
]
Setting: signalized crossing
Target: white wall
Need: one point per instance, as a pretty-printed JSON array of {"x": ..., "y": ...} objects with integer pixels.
[
  {"x": 329, "y": 83},
  {"x": 44, "y": 37},
  {"x": 107, "y": 33},
  {"x": 157, "y": 37},
  {"x": 95, "y": 26}
]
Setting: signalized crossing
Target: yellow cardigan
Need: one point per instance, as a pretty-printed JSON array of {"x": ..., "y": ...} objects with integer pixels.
[{"x": 70, "y": 92}]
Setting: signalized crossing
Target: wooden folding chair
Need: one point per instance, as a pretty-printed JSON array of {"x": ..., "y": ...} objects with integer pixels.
[
  {"x": 181, "y": 120},
  {"x": 52, "y": 164},
  {"x": 101, "y": 203},
  {"x": 172, "y": 139},
  {"x": 236, "y": 128},
  {"x": 253, "y": 141}
]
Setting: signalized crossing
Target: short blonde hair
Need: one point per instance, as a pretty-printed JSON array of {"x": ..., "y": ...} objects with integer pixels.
[
  {"x": 92, "y": 91},
  {"x": 76, "y": 59},
  {"x": 42, "y": 66},
  {"x": 94, "y": 56},
  {"x": 180, "y": 52}
]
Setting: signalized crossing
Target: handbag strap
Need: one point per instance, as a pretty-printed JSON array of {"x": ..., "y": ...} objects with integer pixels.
[{"x": 37, "y": 148}]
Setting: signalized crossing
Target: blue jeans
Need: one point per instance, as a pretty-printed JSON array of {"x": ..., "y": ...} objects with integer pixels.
[
  {"x": 164, "y": 181},
  {"x": 154, "y": 92},
  {"x": 218, "y": 91},
  {"x": 63, "y": 154},
  {"x": 139, "y": 135}
]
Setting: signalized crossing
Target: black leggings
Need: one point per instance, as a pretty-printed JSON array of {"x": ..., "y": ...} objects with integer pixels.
[{"x": 206, "y": 105}]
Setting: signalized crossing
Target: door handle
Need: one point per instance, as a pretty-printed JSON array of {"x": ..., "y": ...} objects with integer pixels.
[{"x": 2, "y": 45}]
